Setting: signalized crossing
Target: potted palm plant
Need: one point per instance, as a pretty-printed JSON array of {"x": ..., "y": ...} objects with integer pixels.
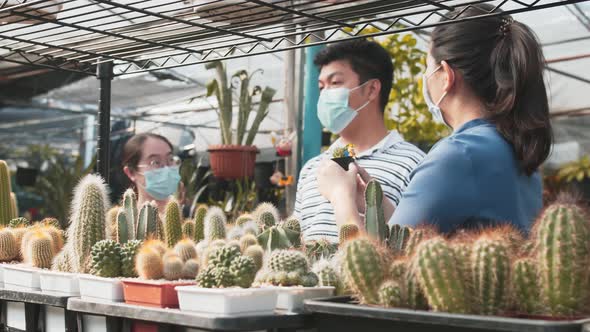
[{"x": 235, "y": 157}]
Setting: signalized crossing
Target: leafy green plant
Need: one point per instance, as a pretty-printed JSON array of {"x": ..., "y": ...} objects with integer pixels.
[
  {"x": 195, "y": 182},
  {"x": 239, "y": 197},
  {"x": 575, "y": 171}
]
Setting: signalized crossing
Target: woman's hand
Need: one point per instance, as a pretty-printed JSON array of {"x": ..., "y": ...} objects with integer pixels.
[{"x": 340, "y": 188}]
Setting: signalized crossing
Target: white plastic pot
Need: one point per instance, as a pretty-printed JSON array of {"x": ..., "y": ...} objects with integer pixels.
[
  {"x": 21, "y": 278},
  {"x": 99, "y": 289},
  {"x": 48, "y": 8},
  {"x": 291, "y": 298},
  {"x": 2, "y": 275},
  {"x": 227, "y": 301},
  {"x": 59, "y": 283}
]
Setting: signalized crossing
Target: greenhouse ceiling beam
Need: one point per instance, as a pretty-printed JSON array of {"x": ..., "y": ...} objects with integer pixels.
[
  {"x": 301, "y": 13},
  {"x": 569, "y": 58},
  {"x": 566, "y": 74},
  {"x": 565, "y": 41}
]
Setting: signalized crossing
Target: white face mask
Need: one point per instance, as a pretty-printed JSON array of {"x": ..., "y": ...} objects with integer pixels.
[{"x": 432, "y": 106}]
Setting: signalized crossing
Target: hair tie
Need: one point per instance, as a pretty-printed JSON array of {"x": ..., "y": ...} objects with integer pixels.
[{"x": 505, "y": 26}]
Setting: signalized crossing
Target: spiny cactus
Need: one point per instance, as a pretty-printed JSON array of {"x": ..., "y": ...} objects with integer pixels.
[
  {"x": 129, "y": 204},
  {"x": 266, "y": 215},
  {"x": 56, "y": 236},
  {"x": 61, "y": 262},
  {"x": 441, "y": 282},
  {"x": 227, "y": 268},
  {"x": 322, "y": 248},
  {"x": 50, "y": 222},
  {"x": 111, "y": 223},
  {"x": 106, "y": 259},
  {"x": 348, "y": 232},
  {"x": 417, "y": 236},
  {"x": 129, "y": 252},
  {"x": 277, "y": 237},
  {"x": 149, "y": 263},
  {"x": 87, "y": 221},
  {"x": 19, "y": 234},
  {"x": 200, "y": 214},
  {"x": 243, "y": 219},
  {"x": 402, "y": 271},
  {"x": 190, "y": 269},
  {"x": 244, "y": 270},
  {"x": 173, "y": 224},
  {"x": 188, "y": 229},
  {"x": 18, "y": 222},
  {"x": 8, "y": 246},
  {"x": 235, "y": 233},
  {"x": 215, "y": 221},
  {"x": 123, "y": 230},
  {"x": 257, "y": 254},
  {"x": 13, "y": 206},
  {"x": 157, "y": 245},
  {"x": 490, "y": 267},
  {"x": 173, "y": 266},
  {"x": 390, "y": 294},
  {"x": 510, "y": 235},
  {"x": 247, "y": 241},
  {"x": 363, "y": 269},
  {"x": 374, "y": 217},
  {"x": 148, "y": 222},
  {"x": 398, "y": 238},
  {"x": 327, "y": 275},
  {"x": 563, "y": 244},
  {"x": 293, "y": 224},
  {"x": 525, "y": 286},
  {"x": 185, "y": 249},
  {"x": 223, "y": 256},
  {"x": 288, "y": 261},
  {"x": 5, "y": 198},
  {"x": 250, "y": 228}
]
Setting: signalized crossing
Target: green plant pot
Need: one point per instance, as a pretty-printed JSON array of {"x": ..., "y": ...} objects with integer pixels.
[{"x": 344, "y": 162}]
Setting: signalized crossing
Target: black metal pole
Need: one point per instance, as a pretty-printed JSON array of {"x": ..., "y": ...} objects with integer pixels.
[{"x": 104, "y": 72}]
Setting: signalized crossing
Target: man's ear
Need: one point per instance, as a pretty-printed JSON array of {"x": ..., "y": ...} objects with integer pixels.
[{"x": 375, "y": 89}]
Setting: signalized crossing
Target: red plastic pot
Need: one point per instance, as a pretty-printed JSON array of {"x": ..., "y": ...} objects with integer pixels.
[
  {"x": 152, "y": 293},
  {"x": 232, "y": 161}
]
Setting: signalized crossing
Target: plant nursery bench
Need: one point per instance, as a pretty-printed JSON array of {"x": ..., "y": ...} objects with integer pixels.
[
  {"x": 119, "y": 316},
  {"x": 33, "y": 311},
  {"x": 343, "y": 314}
]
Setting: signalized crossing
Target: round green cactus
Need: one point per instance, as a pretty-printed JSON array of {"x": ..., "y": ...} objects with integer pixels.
[
  {"x": 293, "y": 224},
  {"x": 244, "y": 270},
  {"x": 288, "y": 260},
  {"x": 61, "y": 262},
  {"x": 327, "y": 275},
  {"x": 363, "y": 269},
  {"x": 129, "y": 251},
  {"x": 244, "y": 219},
  {"x": 8, "y": 246},
  {"x": 223, "y": 257},
  {"x": 390, "y": 294},
  {"x": 173, "y": 267},
  {"x": 257, "y": 254},
  {"x": 207, "y": 278},
  {"x": 190, "y": 269},
  {"x": 19, "y": 222},
  {"x": 246, "y": 241},
  {"x": 348, "y": 232},
  {"x": 186, "y": 250},
  {"x": 106, "y": 259},
  {"x": 266, "y": 215}
]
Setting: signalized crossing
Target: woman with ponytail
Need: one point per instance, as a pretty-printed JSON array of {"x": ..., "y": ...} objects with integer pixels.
[{"x": 484, "y": 79}]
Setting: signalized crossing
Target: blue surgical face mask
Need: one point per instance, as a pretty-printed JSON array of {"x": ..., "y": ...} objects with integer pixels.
[
  {"x": 432, "y": 106},
  {"x": 162, "y": 182},
  {"x": 333, "y": 110}
]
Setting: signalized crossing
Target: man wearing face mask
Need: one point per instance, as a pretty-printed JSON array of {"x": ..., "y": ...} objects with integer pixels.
[{"x": 355, "y": 82}]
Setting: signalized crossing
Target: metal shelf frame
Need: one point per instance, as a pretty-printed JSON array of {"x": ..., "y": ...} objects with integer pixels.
[{"x": 106, "y": 38}]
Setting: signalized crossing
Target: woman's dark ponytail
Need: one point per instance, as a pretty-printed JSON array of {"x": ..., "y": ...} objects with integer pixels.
[{"x": 501, "y": 60}]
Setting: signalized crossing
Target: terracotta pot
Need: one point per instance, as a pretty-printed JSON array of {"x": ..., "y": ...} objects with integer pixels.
[
  {"x": 152, "y": 293},
  {"x": 232, "y": 161},
  {"x": 344, "y": 162},
  {"x": 141, "y": 326}
]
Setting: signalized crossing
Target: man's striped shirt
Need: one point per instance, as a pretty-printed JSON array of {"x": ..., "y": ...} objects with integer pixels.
[{"x": 390, "y": 162}]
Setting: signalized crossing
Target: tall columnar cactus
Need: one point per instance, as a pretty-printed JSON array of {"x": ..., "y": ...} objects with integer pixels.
[
  {"x": 363, "y": 269},
  {"x": 148, "y": 223},
  {"x": 5, "y": 191},
  {"x": 149, "y": 263},
  {"x": 188, "y": 229},
  {"x": 13, "y": 206},
  {"x": 490, "y": 267},
  {"x": 417, "y": 236},
  {"x": 525, "y": 286},
  {"x": 87, "y": 221},
  {"x": 374, "y": 217},
  {"x": 172, "y": 267},
  {"x": 8, "y": 246},
  {"x": 398, "y": 238},
  {"x": 106, "y": 259},
  {"x": 215, "y": 221},
  {"x": 266, "y": 215},
  {"x": 200, "y": 214},
  {"x": 111, "y": 220},
  {"x": 123, "y": 230},
  {"x": 173, "y": 224},
  {"x": 129, "y": 203},
  {"x": 185, "y": 249},
  {"x": 129, "y": 252},
  {"x": 441, "y": 282},
  {"x": 563, "y": 244},
  {"x": 390, "y": 294},
  {"x": 348, "y": 232}
]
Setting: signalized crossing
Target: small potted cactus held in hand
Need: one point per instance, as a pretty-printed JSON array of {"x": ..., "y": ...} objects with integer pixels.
[{"x": 343, "y": 156}]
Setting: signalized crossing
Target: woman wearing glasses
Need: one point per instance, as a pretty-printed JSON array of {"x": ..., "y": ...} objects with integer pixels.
[{"x": 149, "y": 163}]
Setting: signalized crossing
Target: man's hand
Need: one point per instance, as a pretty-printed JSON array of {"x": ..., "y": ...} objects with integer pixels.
[
  {"x": 362, "y": 179},
  {"x": 334, "y": 182}
]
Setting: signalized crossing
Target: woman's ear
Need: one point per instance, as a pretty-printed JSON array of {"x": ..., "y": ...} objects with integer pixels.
[
  {"x": 130, "y": 173},
  {"x": 450, "y": 76}
]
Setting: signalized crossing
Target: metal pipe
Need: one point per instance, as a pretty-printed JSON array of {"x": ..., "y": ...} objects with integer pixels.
[{"x": 104, "y": 72}]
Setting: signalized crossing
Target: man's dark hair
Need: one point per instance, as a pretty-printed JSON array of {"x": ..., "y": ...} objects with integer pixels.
[{"x": 367, "y": 58}]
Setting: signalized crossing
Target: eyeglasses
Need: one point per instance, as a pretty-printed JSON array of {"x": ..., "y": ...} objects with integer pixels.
[{"x": 155, "y": 163}]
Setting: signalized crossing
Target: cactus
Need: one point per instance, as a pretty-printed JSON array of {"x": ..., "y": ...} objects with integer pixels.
[
  {"x": 5, "y": 194},
  {"x": 243, "y": 219},
  {"x": 490, "y": 267},
  {"x": 50, "y": 222},
  {"x": 157, "y": 245},
  {"x": 463, "y": 250},
  {"x": 149, "y": 263},
  {"x": 417, "y": 236},
  {"x": 316, "y": 250},
  {"x": 215, "y": 221},
  {"x": 563, "y": 244},
  {"x": 257, "y": 254},
  {"x": 87, "y": 220},
  {"x": 266, "y": 215},
  {"x": 398, "y": 238},
  {"x": 246, "y": 241},
  {"x": 250, "y": 228},
  {"x": 227, "y": 268},
  {"x": 374, "y": 217},
  {"x": 13, "y": 206},
  {"x": 277, "y": 237},
  {"x": 206, "y": 278},
  {"x": 19, "y": 234},
  {"x": 309, "y": 279},
  {"x": 129, "y": 204},
  {"x": 289, "y": 261},
  {"x": 18, "y": 222},
  {"x": 188, "y": 229},
  {"x": 327, "y": 275},
  {"x": 173, "y": 267},
  {"x": 235, "y": 233},
  {"x": 61, "y": 262},
  {"x": 200, "y": 214},
  {"x": 129, "y": 251},
  {"x": 288, "y": 268},
  {"x": 8, "y": 246},
  {"x": 148, "y": 222},
  {"x": 525, "y": 286},
  {"x": 390, "y": 294},
  {"x": 244, "y": 270},
  {"x": 106, "y": 259},
  {"x": 293, "y": 224},
  {"x": 441, "y": 282},
  {"x": 111, "y": 220},
  {"x": 363, "y": 269},
  {"x": 173, "y": 224},
  {"x": 223, "y": 256},
  {"x": 190, "y": 269},
  {"x": 122, "y": 231},
  {"x": 185, "y": 249},
  {"x": 56, "y": 236},
  {"x": 348, "y": 232}
]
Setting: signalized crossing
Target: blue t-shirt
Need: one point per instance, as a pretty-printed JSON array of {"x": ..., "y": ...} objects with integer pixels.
[{"x": 468, "y": 179}]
